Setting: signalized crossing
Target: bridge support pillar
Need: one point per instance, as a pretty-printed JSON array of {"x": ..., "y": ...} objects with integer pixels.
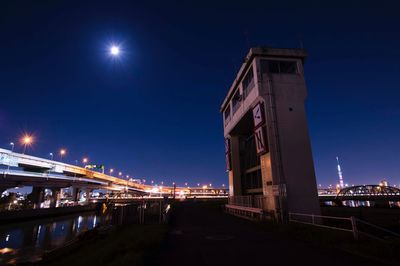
[
  {"x": 75, "y": 194},
  {"x": 88, "y": 193},
  {"x": 37, "y": 196},
  {"x": 55, "y": 197}
]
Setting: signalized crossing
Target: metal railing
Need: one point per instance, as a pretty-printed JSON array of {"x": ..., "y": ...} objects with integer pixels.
[
  {"x": 347, "y": 224},
  {"x": 256, "y": 201}
]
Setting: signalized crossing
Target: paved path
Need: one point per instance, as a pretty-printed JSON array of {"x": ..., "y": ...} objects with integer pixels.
[{"x": 202, "y": 235}]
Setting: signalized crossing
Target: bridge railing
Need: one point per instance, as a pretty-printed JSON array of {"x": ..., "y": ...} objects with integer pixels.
[{"x": 251, "y": 201}]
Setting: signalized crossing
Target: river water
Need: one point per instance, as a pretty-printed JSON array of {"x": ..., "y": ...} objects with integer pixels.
[{"x": 27, "y": 241}]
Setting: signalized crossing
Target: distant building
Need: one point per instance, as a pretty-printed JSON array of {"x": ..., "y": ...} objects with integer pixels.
[{"x": 267, "y": 146}]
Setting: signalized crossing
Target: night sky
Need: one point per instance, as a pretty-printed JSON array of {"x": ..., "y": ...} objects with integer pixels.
[{"x": 154, "y": 112}]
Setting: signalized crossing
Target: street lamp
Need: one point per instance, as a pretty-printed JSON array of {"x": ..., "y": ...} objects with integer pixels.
[
  {"x": 12, "y": 146},
  {"x": 62, "y": 153},
  {"x": 51, "y": 156},
  {"x": 111, "y": 171},
  {"x": 120, "y": 174},
  {"x": 26, "y": 141},
  {"x": 85, "y": 161}
]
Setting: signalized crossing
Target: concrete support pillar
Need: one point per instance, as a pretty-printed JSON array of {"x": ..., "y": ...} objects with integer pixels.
[
  {"x": 75, "y": 194},
  {"x": 88, "y": 193},
  {"x": 235, "y": 176},
  {"x": 55, "y": 197},
  {"x": 37, "y": 196}
]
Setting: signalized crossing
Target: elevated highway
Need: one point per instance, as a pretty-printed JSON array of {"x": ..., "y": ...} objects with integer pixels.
[
  {"x": 26, "y": 170},
  {"x": 17, "y": 170}
]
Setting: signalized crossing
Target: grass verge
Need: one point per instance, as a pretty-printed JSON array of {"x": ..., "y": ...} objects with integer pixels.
[{"x": 128, "y": 245}]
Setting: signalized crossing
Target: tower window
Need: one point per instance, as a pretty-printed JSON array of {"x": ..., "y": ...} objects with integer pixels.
[
  {"x": 279, "y": 67},
  {"x": 236, "y": 101},
  {"x": 227, "y": 114},
  {"x": 248, "y": 82}
]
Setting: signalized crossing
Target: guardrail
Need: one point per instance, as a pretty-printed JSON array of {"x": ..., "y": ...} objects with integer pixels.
[
  {"x": 348, "y": 224},
  {"x": 251, "y": 201}
]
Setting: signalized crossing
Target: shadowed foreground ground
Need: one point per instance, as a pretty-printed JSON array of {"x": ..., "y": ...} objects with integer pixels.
[{"x": 201, "y": 234}]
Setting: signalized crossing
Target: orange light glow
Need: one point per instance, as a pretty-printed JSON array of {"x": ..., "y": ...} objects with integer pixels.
[{"x": 27, "y": 140}]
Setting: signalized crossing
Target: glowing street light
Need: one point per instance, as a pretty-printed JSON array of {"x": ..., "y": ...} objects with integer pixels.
[
  {"x": 111, "y": 171},
  {"x": 12, "y": 146},
  {"x": 85, "y": 160},
  {"x": 62, "y": 153},
  {"x": 51, "y": 156},
  {"x": 120, "y": 174},
  {"x": 26, "y": 141}
]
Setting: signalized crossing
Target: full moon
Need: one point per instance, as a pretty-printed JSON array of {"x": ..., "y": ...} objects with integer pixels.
[{"x": 114, "y": 50}]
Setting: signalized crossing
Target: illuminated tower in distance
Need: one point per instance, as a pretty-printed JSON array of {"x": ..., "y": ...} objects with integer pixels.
[{"x": 339, "y": 170}]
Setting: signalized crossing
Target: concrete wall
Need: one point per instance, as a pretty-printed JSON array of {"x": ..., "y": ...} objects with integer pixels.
[{"x": 294, "y": 144}]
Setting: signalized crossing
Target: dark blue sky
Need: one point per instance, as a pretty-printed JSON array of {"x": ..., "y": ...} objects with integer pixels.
[{"x": 155, "y": 112}]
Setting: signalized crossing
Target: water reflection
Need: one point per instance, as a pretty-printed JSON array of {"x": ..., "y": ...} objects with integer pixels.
[{"x": 23, "y": 241}]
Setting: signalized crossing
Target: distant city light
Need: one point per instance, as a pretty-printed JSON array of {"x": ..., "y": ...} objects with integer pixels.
[{"x": 85, "y": 160}]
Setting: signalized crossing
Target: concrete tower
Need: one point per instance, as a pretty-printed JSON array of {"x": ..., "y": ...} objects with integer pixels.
[
  {"x": 340, "y": 174},
  {"x": 267, "y": 145}
]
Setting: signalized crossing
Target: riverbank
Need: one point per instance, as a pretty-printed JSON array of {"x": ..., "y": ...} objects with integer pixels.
[
  {"x": 200, "y": 233},
  {"x": 127, "y": 245}
]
